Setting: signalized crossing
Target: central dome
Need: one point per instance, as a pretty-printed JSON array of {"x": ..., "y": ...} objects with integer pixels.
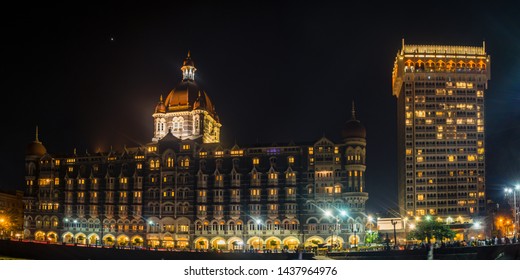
[
  {"x": 187, "y": 95},
  {"x": 182, "y": 96}
]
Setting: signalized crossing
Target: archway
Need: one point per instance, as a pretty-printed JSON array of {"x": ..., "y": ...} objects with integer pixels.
[
  {"x": 255, "y": 243},
  {"x": 109, "y": 240},
  {"x": 122, "y": 240},
  {"x": 314, "y": 241},
  {"x": 273, "y": 243},
  {"x": 80, "y": 238},
  {"x": 137, "y": 240},
  {"x": 334, "y": 242},
  {"x": 290, "y": 243},
  {"x": 39, "y": 236},
  {"x": 201, "y": 243},
  {"x": 235, "y": 244},
  {"x": 68, "y": 237},
  {"x": 218, "y": 243},
  {"x": 52, "y": 237},
  {"x": 93, "y": 239}
]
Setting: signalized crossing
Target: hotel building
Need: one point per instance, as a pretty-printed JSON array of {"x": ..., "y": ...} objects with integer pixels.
[
  {"x": 186, "y": 190},
  {"x": 440, "y": 93}
]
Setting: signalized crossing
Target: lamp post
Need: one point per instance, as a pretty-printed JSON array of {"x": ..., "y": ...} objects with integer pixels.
[
  {"x": 337, "y": 225},
  {"x": 355, "y": 238},
  {"x": 513, "y": 190},
  {"x": 395, "y": 235},
  {"x": 258, "y": 222},
  {"x": 370, "y": 220},
  {"x": 405, "y": 232}
]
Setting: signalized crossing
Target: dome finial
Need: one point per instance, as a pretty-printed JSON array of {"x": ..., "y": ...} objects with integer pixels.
[
  {"x": 160, "y": 98},
  {"x": 189, "y": 54},
  {"x": 353, "y": 110},
  {"x": 37, "y": 140}
]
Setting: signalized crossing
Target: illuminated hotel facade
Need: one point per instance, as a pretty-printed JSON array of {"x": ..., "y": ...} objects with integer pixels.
[
  {"x": 441, "y": 145},
  {"x": 186, "y": 190}
]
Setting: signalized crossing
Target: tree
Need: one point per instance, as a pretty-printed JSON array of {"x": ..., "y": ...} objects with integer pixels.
[
  {"x": 429, "y": 229},
  {"x": 372, "y": 237},
  {"x": 8, "y": 222}
]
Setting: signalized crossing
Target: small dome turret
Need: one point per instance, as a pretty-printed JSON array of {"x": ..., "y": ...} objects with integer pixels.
[
  {"x": 353, "y": 128},
  {"x": 35, "y": 148}
]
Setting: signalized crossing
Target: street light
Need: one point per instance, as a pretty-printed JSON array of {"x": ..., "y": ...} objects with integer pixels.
[
  {"x": 258, "y": 222},
  {"x": 328, "y": 213},
  {"x": 405, "y": 232},
  {"x": 513, "y": 190},
  {"x": 395, "y": 235}
]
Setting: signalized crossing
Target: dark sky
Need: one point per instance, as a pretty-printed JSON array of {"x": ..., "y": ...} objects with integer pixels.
[{"x": 275, "y": 71}]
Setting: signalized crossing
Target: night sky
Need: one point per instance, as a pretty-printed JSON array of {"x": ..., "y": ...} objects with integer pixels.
[{"x": 90, "y": 77}]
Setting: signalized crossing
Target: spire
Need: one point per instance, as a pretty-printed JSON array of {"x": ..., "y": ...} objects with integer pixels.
[
  {"x": 37, "y": 140},
  {"x": 353, "y": 110},
  {"x": 160, "y": 98},
  {"x": 189, "y": 54}
]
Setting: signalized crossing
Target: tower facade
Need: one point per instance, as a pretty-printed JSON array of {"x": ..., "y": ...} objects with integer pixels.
[
  {"x": 441, "y": 145},
  {"x": 187, "y": 111}
]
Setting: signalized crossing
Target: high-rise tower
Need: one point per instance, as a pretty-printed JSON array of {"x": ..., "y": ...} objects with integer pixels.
[{"x": 440, "y": 112}]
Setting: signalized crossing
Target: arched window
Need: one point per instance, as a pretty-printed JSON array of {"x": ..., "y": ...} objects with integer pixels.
[
  {"x": 169, "y": 162},
  {"x": 178, "y": 123}
]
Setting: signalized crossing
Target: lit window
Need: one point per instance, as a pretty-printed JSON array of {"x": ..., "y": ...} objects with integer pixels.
[
  {"x": 57, "y": 162},
  {"x": 219, "y": 153},
  {"x": 139, "y": 166},
  {"x": 420, "y": 159},
  {"x": 203, "y": 154},
  {"x": 420, "y": 114},
  {"x": 256, "y": 161},
  {"x": 451, "y": 158},
  {"x": 311, "y": 150},
  {"x": 291, "y": 159},
  {"x": 186, "y": 147},
  {"x": 336, "y": 150}
]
